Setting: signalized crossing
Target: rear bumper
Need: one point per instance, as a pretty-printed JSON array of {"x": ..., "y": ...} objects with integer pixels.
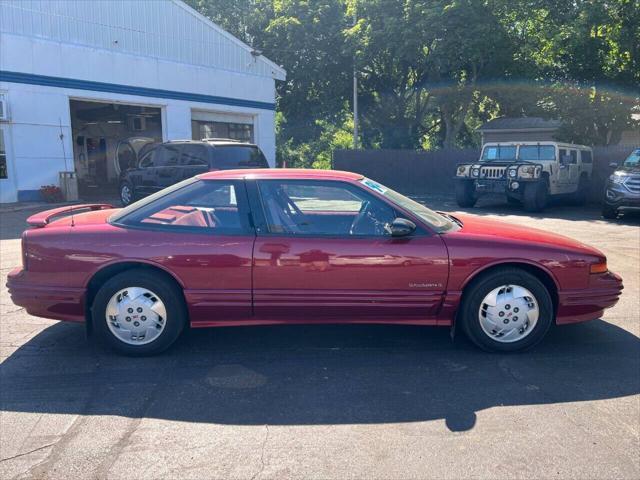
[
  {"x": 58, "y": 303},
  {"x": 603, "y": 292}
]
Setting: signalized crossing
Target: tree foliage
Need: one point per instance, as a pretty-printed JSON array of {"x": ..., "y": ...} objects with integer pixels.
[{"x": 431, "y": 71}]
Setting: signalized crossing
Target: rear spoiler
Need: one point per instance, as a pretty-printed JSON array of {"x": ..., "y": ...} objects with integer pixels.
[{"x": 42, "y": 219}]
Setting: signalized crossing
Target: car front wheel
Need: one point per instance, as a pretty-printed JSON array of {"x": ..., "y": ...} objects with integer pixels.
[
  {"x": 536, "y": 195},
  {"x": 138, "y": 312},
  {"x": 610, "y": 213},
  {"x": 506, "y": 310},
  {"x": 465, "y": 193},
  {"x": 127, "y": 194}
]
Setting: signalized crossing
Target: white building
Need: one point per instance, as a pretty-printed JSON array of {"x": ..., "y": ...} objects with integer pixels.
[{"x": 77, "y": 78}]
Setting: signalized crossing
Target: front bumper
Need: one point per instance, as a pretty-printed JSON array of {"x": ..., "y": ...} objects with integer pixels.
[
  {"x": 589, "y": 303},
  {"x": 58, "y": 303},
  {"x": 616, "y": 195}
]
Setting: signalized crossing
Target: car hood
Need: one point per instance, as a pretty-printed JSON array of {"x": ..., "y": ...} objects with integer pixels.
[{"x": 489, "y": 229}]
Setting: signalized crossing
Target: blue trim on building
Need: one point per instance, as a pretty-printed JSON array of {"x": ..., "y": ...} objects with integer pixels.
[
  {"x": 31, "y": 79},
  {"x": 30, "y": 196}
]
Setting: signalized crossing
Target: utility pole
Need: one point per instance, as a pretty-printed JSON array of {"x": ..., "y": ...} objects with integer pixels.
[
  {"x": 355, "y": 109},
  {"x": 355, "y": 90}
]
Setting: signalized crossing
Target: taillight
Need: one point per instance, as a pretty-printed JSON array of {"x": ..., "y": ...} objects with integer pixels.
[
  {"x": 24, "y": 251},
  {"x": 600, "y": 267}
]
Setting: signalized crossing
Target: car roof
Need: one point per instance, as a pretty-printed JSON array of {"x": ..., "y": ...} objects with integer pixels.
[
  {"x": 281, "y": 173},
  {"x": 534, "y": 143},
  {"x": 211, "y": 143}
]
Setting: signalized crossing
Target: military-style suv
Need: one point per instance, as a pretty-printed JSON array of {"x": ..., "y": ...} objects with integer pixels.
[
  {"x": 623, "y": 187},
  {"x": 170, "y": 162},
  {"x": 527, "y": 172}
]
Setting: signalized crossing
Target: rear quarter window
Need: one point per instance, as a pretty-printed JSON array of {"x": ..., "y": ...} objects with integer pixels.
[{"x": 228, "y": 157}]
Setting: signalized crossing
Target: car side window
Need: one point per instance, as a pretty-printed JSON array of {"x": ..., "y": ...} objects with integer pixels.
[
  {"x": 585, "y": 156},
  {"x": 302, "y": 207},
  {"x": 148, "y": 159},
  {"x": 167, "y": 156},
  {"x": 573, "y": 156},
  {"x": 213, "y": 206},
  {"x": 194, "y": 155}
]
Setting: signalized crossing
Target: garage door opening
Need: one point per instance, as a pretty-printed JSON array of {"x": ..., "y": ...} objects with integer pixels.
[{"x": 107, "y": 138}]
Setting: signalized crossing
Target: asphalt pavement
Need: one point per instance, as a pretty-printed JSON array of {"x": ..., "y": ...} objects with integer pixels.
[{"x": 325, "y": 402}]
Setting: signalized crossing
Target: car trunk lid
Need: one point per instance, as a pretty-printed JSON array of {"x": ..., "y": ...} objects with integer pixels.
[{"x": 71, "y": 214}]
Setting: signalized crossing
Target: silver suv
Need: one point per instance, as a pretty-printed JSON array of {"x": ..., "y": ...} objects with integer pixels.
[{"x": 623, "y": 187}]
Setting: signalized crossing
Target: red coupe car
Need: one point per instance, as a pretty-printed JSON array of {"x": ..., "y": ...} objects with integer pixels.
[{"x": 257, "y": 247}]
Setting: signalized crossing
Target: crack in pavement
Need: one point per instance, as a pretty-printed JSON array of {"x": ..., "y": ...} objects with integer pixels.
[
  {"x": 27, "y": 453},
  {"x": 264, "y": 444}
]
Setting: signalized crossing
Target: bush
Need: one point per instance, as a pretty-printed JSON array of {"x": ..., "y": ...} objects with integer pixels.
[{"x": 51, "y": 193}]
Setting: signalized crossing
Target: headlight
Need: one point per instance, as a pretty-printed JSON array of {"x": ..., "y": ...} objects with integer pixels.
[
  {"x": 530, "y": 171},
  {"x": 513, "y": 172},
  {"x": 475, "y": 172},
  {"x": 617, "y": 178}
]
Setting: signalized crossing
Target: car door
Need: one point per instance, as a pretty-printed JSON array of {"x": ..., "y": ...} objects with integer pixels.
[
  {"x": 194, "y": 160},
  {"x": 168, "y": 169},
  {"x": 564, "y": 171},
  {"x": 314, "y": 259},
  {"x": 574, "y": 171},
  {"x": 201, "y": 233},
  {"x": 144, "y": 178}
]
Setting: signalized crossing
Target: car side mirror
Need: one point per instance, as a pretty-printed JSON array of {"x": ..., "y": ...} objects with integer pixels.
[
  {"x": 401, "y": 227},
  {"x": 613, "y": 165}
]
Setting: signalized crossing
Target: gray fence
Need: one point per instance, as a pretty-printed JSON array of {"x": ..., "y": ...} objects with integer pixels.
[{"x": 423, "y": 172}]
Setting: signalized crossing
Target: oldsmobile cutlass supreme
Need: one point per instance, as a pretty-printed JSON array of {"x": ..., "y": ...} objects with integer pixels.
[{"x": 258, "y": 247}]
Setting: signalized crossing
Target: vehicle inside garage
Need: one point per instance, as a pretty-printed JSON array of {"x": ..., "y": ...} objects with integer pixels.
[{"x": 107, "y": 138}]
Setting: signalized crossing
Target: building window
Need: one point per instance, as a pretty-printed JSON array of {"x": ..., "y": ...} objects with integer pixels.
[
  {"x": 3, "y": 156},
  {"x": 236, "y": 131}
]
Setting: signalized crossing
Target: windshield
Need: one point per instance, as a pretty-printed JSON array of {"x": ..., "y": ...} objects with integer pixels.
[
  {"x": 439, "y": 222},
  {"x": 633, "y": 160},
  {"x": 498, "y": 153},
  {"x": 239, "y": 156},
  {"x": 533, "y": 153}
]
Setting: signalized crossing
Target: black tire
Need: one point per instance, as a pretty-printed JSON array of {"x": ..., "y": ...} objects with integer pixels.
[
  {"x": 608, "y": 212},
  {"x": 465, "y": 193},
  {"x": 536, "y": 196},
  {"x": 126, "y": 199},
  {"x": 579, "y": 197},
  {"x": 163, "y": 287},
  {"x": 475, "y": 293}
]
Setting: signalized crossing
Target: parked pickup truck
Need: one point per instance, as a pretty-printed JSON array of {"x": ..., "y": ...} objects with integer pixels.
[{"x": 527, "y": 172}]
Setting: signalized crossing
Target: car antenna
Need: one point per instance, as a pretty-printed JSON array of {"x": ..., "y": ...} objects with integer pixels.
[{"x": 64, "y": 155}]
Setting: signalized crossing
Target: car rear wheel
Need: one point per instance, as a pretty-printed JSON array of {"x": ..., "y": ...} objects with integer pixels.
[
  {"x": 465, "y": 193},
  {"x": 138, "y": 312},
  {"x": 580, "y": 196},
  {"x": 127, "y": 194},
  {"x": 506, "y": 310}
]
